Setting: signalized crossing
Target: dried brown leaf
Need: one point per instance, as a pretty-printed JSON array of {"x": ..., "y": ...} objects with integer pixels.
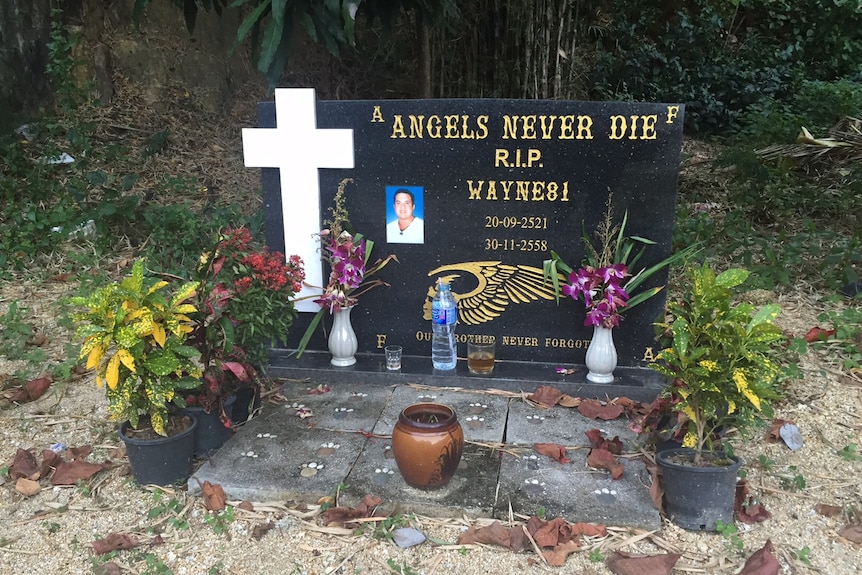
[
  {"x": 594, "y": 409},
  {"x": 589, "y": 529},
  {"x": 110, "y": 568},
  {"x": 569, "y": 401},
  {"x": 546, "y": 395},
  {"x": 557, "y": 556},
  {"x": 851, "y": 532},
  {"x": 27, "y": 487},
  {"x": 493, "y": 534},
  {"x": 627, "y": 564},
  {"x": 547, "y": 533},
  {"x": 261, "y": 529},
  {"x": 748, "y": 510},
  {"x": 818, "y": 334},
  {"x": 32, "y": 390},
  {"x": 761, "y": 562},
  {"x": 114, "y": 542},
  {"x": 552, "y": 450},
  {"x": 828, "y": 510},
  {"x": 341, "y": 516},
  {"x": 69, "y": 473},
  {"x": 604, "y": 459},
  {"x": 82, "y": 452},
  {"x": 595, "y": 437},
  {"x": 214, "y": 496},
  {"x": 24, "y": 465}
]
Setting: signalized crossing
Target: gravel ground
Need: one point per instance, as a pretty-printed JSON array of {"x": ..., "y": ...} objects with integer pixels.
[{"x": 53, "y": 531}]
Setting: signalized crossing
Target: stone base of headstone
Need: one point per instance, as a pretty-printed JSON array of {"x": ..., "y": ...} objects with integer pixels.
[
  {"x": 316, "y": 442},
  {"x": 640, "y": 384}
]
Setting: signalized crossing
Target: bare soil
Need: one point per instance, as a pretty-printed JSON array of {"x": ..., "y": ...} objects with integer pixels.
[{"x": 52, "y": 531}]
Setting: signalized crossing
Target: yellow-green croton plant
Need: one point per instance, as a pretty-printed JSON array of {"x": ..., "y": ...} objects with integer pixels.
[{"x": 134, "y": 335}]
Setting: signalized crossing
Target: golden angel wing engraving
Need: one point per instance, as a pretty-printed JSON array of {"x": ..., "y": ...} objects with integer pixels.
[{"x": 492, "y": 286}]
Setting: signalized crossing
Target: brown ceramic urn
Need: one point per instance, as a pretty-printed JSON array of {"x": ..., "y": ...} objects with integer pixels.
[{"x": 427, "y": 443}]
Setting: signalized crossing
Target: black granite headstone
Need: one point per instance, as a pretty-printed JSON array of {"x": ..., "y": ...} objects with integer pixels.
[{"x": 498, "y": 184}]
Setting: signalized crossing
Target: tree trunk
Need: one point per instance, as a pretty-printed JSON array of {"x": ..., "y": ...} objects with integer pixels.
[
  {"x": 424, "y": 35},
  {"x": 25, "y": 28}
]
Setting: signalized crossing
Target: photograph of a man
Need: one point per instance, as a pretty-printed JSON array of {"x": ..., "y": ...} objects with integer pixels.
[{"x": 405, "y": 224}]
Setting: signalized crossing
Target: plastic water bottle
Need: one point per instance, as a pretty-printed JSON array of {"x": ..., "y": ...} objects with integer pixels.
[{"x": 444, "y": 314}]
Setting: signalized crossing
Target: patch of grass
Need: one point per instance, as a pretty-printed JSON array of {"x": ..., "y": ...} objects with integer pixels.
[
  {"x": 765, "y": 462},
  {"x": 171, "y": 507},
  {"x": 803, "y": 555},
  {"x": 596, "y": 555},
  {"x": 846, "y": 342},
  {"x": 400, "y": 568},
  {"x": 795, "y": 482},
  {"x": 849, "y": 453},
  {"x": 155, "y": 566},
  {"x": 51, "y": 527},
  {"x": 383, "y": 529},
  {"x": 220, "y": 521},
  {"x": 83, "y": 488},
  {"x": 731, "y": 533},
  {"x": 16, "y": 342}
]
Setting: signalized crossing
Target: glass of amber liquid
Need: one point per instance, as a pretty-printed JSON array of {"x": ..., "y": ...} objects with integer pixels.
[{"x": 480, "y": 357}]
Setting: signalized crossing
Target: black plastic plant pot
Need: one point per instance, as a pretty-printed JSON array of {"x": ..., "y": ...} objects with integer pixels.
[
  {"x": 247, "y": 401},
  {"x": 162, "y": 461},
  {"x": 697, "y": 497},
  {"x": 211, "y": 433}
]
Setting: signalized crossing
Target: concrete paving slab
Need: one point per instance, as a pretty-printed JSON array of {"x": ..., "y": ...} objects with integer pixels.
[
  {"x": 279, "y": 456},
  {"x": 482, "y": 416},
  {"x": 345, "y": 407},
  {"x": 575, "y": 492},
  {"x": 566, "y": 426},
  {"x": 471, "y": 491},
  {"x": 271, "y": 458}
]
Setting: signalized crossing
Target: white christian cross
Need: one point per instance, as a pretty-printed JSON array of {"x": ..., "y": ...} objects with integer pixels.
[{"x": 297, "y": 148}]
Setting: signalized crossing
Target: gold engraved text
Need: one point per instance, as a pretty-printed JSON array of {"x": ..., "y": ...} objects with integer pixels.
[
  {"x": 620, "y": 125},
  {"x": 450, "y": 127},
  {"x": 533, "y": 127},
  {"x": 518, "y": 190}
]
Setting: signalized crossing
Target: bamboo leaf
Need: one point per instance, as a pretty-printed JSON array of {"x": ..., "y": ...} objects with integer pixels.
[
  {"x": 303, "y": 343},
  {"x": 642, "y": 297},
  {"x": 248, "y": 23},
  {"x": 549, "y": 270},
  {"x": 269, "y": 45}
]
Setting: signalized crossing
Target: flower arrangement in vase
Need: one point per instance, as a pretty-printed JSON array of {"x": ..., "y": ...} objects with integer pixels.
[
  {"x": 606, "y": 286},
  {"x": 348, "y": 254}
]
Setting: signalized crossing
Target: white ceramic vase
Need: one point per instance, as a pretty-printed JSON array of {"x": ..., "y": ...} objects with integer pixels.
[
  {"x": 342, "y": 339},
  {"x": 601, "y": 357}
]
